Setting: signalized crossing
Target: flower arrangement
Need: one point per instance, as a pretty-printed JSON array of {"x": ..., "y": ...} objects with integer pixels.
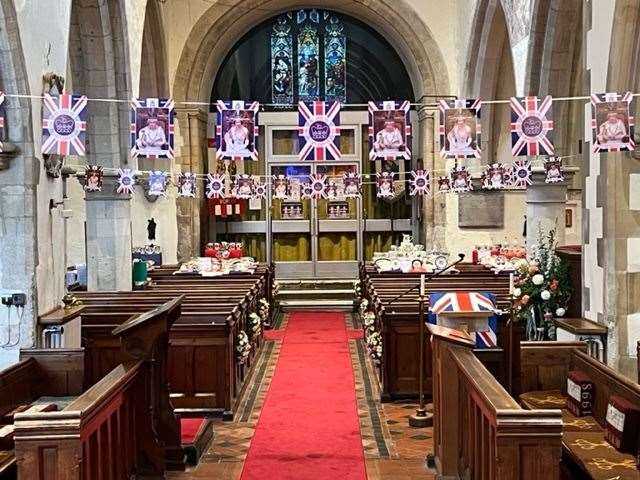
[
  {"x": 374, "y": 345},
  {"x": 275, "y": 289},
  {"x": 542, "y": 288},
  {"x": 255, "y": 322},
  {"x": 357, "y": 288},
  {"x": 369, "y": 319},
  {"x": 363, "y": 306},
  {"x": 243, "y": 346},
  {"x": 263, "y": 308}
]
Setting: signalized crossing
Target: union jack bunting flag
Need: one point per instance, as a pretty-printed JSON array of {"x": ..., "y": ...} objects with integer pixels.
[
  {"x": 611, "y": 122},
  {"x": 389, "y": 130},
  {"x": 64, "y": 125},
  {"x": 467, "y": 302},
  {"x": 531, "y": 126},
  {"x": 151, "y": 131},
  {"x": 319, "y": 131},
  {"x": 460, "y": 128},
  {"x": 237, "y": 130},
  {"x": 1, "y": 120}
]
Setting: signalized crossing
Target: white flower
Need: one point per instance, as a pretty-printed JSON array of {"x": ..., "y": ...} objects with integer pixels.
[
  {"x": 537, "y": 279},
  {"x": 545, "y": 295},
  {"x": 517, "y": 292},
  {"x": 560, "y": 312}
]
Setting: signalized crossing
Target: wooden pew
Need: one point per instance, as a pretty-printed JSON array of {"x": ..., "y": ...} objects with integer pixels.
[
  {"x": 396, "y": 319},
  {"x": 480, "y": 432},
  {"x": 123, "y": 425},
  {"x": 586, "y": 454}
]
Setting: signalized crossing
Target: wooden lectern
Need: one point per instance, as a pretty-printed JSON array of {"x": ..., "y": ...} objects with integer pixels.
[{"x": 468, "y": 321}]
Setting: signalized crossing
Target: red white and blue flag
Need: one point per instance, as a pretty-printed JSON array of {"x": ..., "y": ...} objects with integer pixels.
[
  {"x": 531, "y": 126},
  {"x": 460, "y": 128},
  {"x": 151, "y": 131},
  {"x": 64, "y": 125},
  {"x": 319, "y": 131},
  {"x": 611, "y": 122},
  {"x": 237, "y": 142},
  {"x": 467, "y": 302},
  {"x": 392, "y": 112},
  {"x": 1, "y": 120}
]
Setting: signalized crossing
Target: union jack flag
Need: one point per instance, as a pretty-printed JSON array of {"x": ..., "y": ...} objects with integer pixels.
[
  {"x": 247, "y": 113},
  {"x": 64, "y": 125},
  {"x": 531, "y": 126},
  {"x": 612, "y": 136},
  {"x": 467, "y": 302},
  {"x": 379, "y": 113},
  {"x": 319, "y": 131},
  {"x": 1, "y": 120},
  {"x": 157, "y": 142},
  {"x": 460, "y": 141}
]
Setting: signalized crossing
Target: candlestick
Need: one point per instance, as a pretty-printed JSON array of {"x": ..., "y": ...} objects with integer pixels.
[
  {"x": 511, "y": 284},
  {"x": 422, "y": 285}
]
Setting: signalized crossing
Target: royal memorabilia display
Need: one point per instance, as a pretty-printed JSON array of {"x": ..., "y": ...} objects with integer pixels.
[
  {"x": 237, "y": 130},
  {"x": 406, "y": 257},
  {"x": 152, "y": 128},
  {"x": 460, "y": 128},
  {"x": 319, "y": 131},
  {"x": 389, "y": 130},
  {"x": 216, "y": 267},
  {"x": 64, "y": 125},
  {"x": 612, "y": 123},
  {"x": 531, "y": 126}
]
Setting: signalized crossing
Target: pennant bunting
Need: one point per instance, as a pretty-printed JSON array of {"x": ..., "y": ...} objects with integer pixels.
[
  {"x": 281, "y": 187},
  {"x": 151, "y": 131},
  {"x": 157, "y": 183},
  {"x": 64, "y": 125},
  {"x": 384, "y": 183},
  {"x": 187, "y": 185},
  {"x": 237, "y": 130},
  {"x": 352, "y": 185},
  {"x": 553, "y": 169},
  {"x": 460, "y": 128},
  {"x": 242, "y": 187},
  {"x": 306, "y": 190},
  {"x": 215, "y": 185},
  {"x": 389, "y": 130},
  {"x": 612, "y": 123},
  {"x": 531, "y": 126},
  {"x": 319, "y": 131},
  {"x": 420, "y": 183},
  {"x": 1, "y": 120},
  {"x": 460, "y": 180},
  {"x": 521, "y": 173},
  {"x": 93, "y": 178},
  {"x": 493, "y": 177},
  {"x": 126, "y": 181},
  {"x": 259, "y": 189},
  {"x": 318, "y": 184},
  {"x": 444, "y": 185}
]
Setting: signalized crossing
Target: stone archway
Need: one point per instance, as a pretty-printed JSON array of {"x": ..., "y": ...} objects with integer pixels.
[
  {"x": 221, "y": 26},
  {"x": 154, "y": 80}
]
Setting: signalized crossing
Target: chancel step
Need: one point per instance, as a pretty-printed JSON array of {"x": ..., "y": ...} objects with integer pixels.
[
  {"x": 313, "y": 294},
  {"x": 346, "y": 305}
]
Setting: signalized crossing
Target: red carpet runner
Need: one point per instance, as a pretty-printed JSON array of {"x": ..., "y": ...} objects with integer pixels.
[{"x": 308, "y": 427}]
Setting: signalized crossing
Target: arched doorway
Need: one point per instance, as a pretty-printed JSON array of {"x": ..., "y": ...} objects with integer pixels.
[{"x": 221, "y": 27}]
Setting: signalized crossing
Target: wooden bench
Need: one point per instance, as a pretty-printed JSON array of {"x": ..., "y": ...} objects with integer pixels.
[
  {"x": 396, "y": 319},
  {"x": 121, "y": 426},
  {"x": 479, "y": 431},
  {"x": 586, "y": 453}
]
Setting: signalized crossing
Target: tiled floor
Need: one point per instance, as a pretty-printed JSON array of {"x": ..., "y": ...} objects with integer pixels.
[{"x": 393, "y": 450}]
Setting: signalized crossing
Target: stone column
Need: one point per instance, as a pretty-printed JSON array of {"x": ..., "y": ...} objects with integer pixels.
[
  {"x": 433, "y": 208},
  {"x": 108, "y": 237},
  {"x": 192, "y": 213},
  {"x": 546, "y": 204}
]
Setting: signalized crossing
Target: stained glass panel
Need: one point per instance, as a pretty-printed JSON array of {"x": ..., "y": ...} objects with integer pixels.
[
  {"x": 282, "y": 62},
  {"x": 308, "y": 65},
  {"x": 335, "y": 47}
]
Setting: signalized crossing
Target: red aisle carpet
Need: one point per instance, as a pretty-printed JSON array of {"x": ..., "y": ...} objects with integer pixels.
[{"x": 308, "y": 427}]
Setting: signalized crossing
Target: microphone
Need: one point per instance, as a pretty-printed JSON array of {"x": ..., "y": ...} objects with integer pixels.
[{"x": 461, "y": 256}]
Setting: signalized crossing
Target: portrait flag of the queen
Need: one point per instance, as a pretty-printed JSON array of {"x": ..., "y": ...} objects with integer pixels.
[
  {"x": 459, "y": 128},
  {"x": 319, "y": 131},
  {"x": 389, "y": 130},
  {"x": 531, "y": 126},
  {"x": 237, "y": 130},
  {"x": 151, "y": 131},
  {"x": 64, "y": 124},
  {"x": 611, "y": 122}
]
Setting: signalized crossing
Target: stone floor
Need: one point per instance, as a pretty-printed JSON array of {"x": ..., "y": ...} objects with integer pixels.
[{"x": 392, "y": 449}]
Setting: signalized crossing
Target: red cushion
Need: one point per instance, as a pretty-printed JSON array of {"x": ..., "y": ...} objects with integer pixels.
[
  {"x": 189, "y": 429},
  {"x": 622, "y": 423},
  {"x": 579, "y": 393}
]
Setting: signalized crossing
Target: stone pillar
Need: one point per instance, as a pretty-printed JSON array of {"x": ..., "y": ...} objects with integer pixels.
[
  {"x": 434, "y": 206},
  {"x": 108, "y": 237},
  {"x": 546, "y": 204},
  {"x": 192, "y": 213}
]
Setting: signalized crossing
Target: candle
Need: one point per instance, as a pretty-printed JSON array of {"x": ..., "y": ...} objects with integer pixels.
[
  {"x": 511, "y": 284},
  {"x": 422, "y": 285}
]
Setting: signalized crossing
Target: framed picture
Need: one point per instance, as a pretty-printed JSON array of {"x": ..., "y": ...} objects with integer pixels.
[
  {"x": 237, "y": 130},
  {"x": 152, "y": 128},
  {"x": 568, "y": 218}
]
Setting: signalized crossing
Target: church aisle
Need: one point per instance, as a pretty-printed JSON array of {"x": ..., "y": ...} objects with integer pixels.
[{"x": 309, "y": 425}]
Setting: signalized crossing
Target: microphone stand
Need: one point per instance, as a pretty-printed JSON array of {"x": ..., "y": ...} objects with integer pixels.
[{"x": 421, "y": 418}]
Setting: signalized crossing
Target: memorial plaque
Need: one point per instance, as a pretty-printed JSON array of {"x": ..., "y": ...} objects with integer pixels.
[{"x": 481, "y": 210}]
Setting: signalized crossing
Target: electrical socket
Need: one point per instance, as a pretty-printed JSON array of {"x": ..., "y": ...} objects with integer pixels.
[{"x": 19, "y": 299}]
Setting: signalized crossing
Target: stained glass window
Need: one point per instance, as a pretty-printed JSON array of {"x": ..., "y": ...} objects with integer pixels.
[
  {"x": 335, "y": 63},
  {"x": 282, "y": 61}
]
